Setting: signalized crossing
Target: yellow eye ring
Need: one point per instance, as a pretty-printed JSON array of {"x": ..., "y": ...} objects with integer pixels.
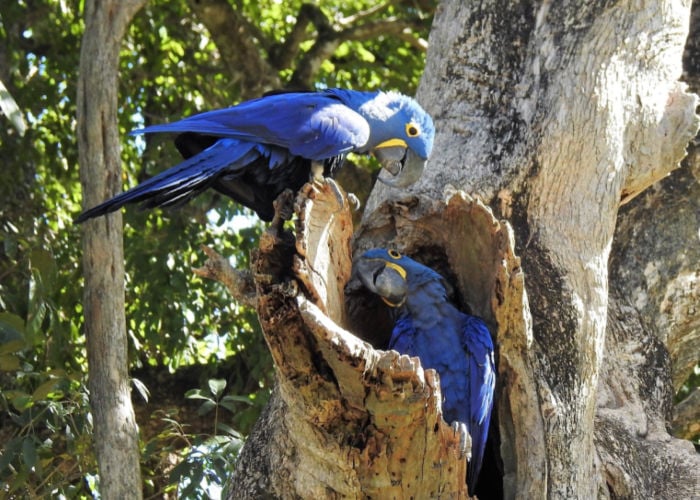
[
  {"x": 412, "y": 130},
  {"x": 394, "y": 254}
]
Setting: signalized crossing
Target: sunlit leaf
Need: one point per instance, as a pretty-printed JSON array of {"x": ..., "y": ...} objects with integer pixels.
[
  {"x": 11, "y": 327},
  {"x": 45, "y": 264},
  {"x": 44, "y": 389},
  {"x": 217, "y": 386},
  {"x": 9, "y": 452},
  {"x": 206, "y": 407},
  {"x": 141, "y": 388},
  {"x": 22, "y": 401},
  {"x": 229, "y": 430},
  {"x": 11, "y": 110},
  {"x": 12, "y": 346},
  {"x": 9, "y": 362},
  {"x": 197, "y": 394},
  {"x": 239, "y": 399}
]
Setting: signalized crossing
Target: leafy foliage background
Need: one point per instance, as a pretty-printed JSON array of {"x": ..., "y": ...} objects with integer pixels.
[{"x": 201, "y": 372}]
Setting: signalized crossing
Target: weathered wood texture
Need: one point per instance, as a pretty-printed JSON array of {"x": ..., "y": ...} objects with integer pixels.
[
  {"x": 462, "y": 239},
  {"x": 554, "y": 116},
  {"x": 348, "y": 420},
  {"x": 116, "y": 433},
  {"x": 638, "y": 458}
]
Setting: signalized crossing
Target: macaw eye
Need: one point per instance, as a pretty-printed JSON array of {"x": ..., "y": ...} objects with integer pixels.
[
  {"x": 412, "y": 130},
  {"x": 394, "y": 254}
]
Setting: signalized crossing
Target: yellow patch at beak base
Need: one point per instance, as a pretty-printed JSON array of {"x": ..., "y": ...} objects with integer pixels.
[
  {"x": 392, "y": 143},
  {"x": 397, "y": 268}
]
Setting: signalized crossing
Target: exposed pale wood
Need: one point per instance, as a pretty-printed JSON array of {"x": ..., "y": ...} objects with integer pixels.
[
  {"x": 356, "y": 421},
  {"x": 324, "y": 229}
]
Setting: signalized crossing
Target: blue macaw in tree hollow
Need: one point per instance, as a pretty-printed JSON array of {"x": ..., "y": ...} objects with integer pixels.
[
  {"x": 457, "y": 345},
  {"x": 255, "y": 150}
]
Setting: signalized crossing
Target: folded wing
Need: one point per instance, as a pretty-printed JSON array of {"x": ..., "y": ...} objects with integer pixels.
[
  {"x": 312, "y": 125},
  {"x": 478, "y": 347}
]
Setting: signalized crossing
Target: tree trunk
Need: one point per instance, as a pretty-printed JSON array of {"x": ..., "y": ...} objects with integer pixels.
[
  {"x": 553, "y": 118},
  {"x": 345, "y": 419},
  {"x": 116, "y": 433}
]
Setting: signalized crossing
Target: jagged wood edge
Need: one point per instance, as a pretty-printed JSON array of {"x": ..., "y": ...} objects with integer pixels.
[
  {"x": 480, "y": 254},
  {"x": 354, "y": 419}
]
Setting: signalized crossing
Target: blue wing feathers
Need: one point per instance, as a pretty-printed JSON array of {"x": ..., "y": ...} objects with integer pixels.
[
  {"x": 313, "y": 125},
  {"x": 476, "y": 340},
  {"x": 180, "y": 183},
  {"x": 255, "y": 150}
]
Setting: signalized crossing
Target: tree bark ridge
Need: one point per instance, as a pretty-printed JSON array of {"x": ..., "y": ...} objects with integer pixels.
[{"x": 554, "y": 117}]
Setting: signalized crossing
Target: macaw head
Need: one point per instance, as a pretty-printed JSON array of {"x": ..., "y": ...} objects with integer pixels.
[
  {"x": 401, "y": 136},
  {"x": 394, "y": 277}
]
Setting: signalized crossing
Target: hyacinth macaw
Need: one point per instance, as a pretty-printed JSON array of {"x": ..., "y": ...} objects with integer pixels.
[
  {"x": 457, "y": 345},
  {"x": 255, "y": 150}
]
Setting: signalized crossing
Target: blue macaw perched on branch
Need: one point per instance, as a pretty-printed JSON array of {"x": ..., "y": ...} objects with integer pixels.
[
  {"x": 255, "y": 150},
  {"x": 457, "y": 345}
]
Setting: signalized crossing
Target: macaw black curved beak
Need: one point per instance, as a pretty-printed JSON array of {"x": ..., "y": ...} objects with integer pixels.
[
  {"x": 383, "y": 280},
  {"x": 402, "y": 163}
]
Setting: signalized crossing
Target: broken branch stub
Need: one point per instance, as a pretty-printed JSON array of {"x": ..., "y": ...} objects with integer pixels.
[
  {"x": 460, "y": 238},
  {"x": 355, "y": 418}
]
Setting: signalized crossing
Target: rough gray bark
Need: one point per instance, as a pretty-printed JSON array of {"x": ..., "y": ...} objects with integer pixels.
[
  {"x": 656, "y": 266},
  {"x": 653, "y": 340},
  {"x": 638, "y": 458},
  {"x": 116, "y": 433},
  {"x": 555, "y": 116}
]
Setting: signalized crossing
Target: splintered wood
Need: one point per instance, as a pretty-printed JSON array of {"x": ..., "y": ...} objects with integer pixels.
[
  {"x": 324, "y": 230},
  {"x": 357, "y": 421}
]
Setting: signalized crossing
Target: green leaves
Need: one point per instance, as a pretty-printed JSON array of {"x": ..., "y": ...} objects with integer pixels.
[
  {"x": 217, "y": 386},
  {"x": 214, "y": 398},
  {"x": 170, "y": 67},
  {"x": 11, "y": 329},
  {"x": 141, "y": 389},
  {"x": 50, "y": 428},
  {"x": 9, "y": 359}
]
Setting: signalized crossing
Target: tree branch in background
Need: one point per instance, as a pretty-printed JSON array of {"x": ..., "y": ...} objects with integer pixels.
[
  {"x": 239, "y": 283},
  {"x": 253, "y": 61},
  {"x": 283, "y": 55},
  {"x": 329, "y": 37},
  {"x": 239, "y": 46},
  {"x": 686, "y": 416}
]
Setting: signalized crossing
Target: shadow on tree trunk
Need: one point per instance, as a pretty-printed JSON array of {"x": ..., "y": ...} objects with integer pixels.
[{"x": 346, "y": 418}]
